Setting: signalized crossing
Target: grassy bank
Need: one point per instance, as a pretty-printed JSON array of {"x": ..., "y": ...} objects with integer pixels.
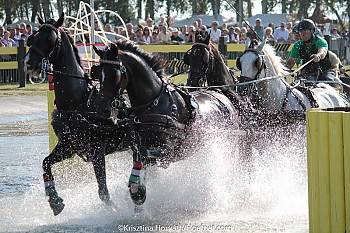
[{"x": 29, "y": 89}]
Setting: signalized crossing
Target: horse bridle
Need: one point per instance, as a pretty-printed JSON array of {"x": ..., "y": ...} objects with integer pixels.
[
  {"x": 53, "y": 54},
  {"x": 48, "y": 59},
  {"x": 118, "y": 101},
  {"x": 210, "y": 67}
]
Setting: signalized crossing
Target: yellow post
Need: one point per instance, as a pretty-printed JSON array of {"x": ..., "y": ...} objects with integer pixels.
[
  {"x": 323, "y": 173},
  {"x": 50, "y": 108},
  {"x": 346, "y": 143},
  {"x": 313, "y": 168},
  {"x": 336, "y": 172},
  {"x": 328, "y": 151}
]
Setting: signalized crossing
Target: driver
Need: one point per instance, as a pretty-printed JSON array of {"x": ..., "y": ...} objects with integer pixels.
[{"x": 311, "y": 46}]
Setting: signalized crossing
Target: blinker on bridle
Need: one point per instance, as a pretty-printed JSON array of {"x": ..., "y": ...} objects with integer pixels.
[{"x": 46, "y": 59}]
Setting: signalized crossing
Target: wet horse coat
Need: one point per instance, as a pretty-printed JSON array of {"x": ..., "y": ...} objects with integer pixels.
[
  {"x": 81, "y": 128},
  {"x": 163, "y": 114}
]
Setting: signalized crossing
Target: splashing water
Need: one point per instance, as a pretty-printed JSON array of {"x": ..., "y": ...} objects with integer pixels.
[{"x": 212, "y": 187}]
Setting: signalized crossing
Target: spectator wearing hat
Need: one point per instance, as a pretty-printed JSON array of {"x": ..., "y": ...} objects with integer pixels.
[
  {"x": 233, "y": 37},
  {"x": 17, "y": 33},
  {"x": 214, "y": 32},
  {"x": 6, "y": 40},
  {"x": 175, "y": 36},
  {"x": 270, "y": 39}
]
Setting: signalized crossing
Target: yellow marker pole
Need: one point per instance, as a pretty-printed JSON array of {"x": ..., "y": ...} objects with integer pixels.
[
  {"x": 50, "y": 107},
  {"x": 336, "y": 172},
  {"x": 323, "y": 173},
  {"x": 346, "y": 143},
  {"x": 312, "y": 120}
]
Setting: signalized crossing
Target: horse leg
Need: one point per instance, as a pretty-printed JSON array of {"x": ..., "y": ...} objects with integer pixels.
[
  {"x": 99, "y": 164},
  {"x": 59, "y": 153},
  {"x": 137, "y": 187}
]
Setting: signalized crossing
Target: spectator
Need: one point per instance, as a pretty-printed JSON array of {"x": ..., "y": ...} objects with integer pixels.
[
  {"x": 175, "y": 36},
  {"x": 270, "y": 39},
  {"x": 243, "y": 35},
  {"x": 163, "y": 35},
  {"x": 259, "y": 29},
  {"x": 29, "y": 30},
  {"x": 334, "y": 33},
  {"x": 272, "y": 25},
  {"x": 281, "y": 34},
  {"x": 224, "y": 32},
  {"x": 224, "y": 26},
  {"x": 199, "y": 22},
  {"x": 155, "y": 38},
  {"x": 130, "y": 31},
  {"x": 139, "y": 36},
  {"x": 147, "y": 38},
  {"x": 195, "y": 25},
  {"x": 22, "y": 28},
  {"x": 214, "y": 32},
  {"x": 191, "y": 34},
  {"x": 149, "y": 23},
  {"x": 108, "y": 31},
  {"x": 12, "y": 36},
  {"x": 6, "y": 40},
  {"x": 233, "y": 37},
  {"x": 184, "y": 32},
  {"x": 17, "y": 33}
]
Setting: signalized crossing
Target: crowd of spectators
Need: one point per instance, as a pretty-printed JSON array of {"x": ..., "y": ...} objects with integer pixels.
[
  {"x": 10, "y": 35},
  {"x": 164, "y": 32}
]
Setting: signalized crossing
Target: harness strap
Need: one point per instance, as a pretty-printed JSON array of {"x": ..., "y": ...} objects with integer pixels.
[{"x": 159, "y": 119}]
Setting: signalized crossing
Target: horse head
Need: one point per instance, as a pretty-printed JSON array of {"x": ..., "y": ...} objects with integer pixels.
[
  {"x": 113, "y": 76},
  {"x": 206, "y": 63},
  {"x": 44, "y": 45}
]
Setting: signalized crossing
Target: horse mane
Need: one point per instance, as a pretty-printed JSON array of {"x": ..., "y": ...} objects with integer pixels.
[
  {"x": 75, "y": 49},
  {"x": 276, "y": 61},
  {"x": 156, "y": 63},
  {"x": 67, "y": 36},
  {"x": 216, "y": 53}
]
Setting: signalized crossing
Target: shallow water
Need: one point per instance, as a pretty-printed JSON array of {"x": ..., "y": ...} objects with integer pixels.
[{"x": 211, "y": 191}]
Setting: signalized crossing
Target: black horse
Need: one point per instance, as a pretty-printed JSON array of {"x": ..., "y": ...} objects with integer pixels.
[
  {"x": 163, "y": 114},
  {"x": 207, "y": 65},
  {"x": 81, "y": 119}
]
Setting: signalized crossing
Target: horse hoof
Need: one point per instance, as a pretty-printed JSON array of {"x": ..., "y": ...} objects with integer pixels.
[
  {"x": 105, "y": 198},
  {"x": 56, "y": 205},
  {"x": 138, "y": 193}
]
